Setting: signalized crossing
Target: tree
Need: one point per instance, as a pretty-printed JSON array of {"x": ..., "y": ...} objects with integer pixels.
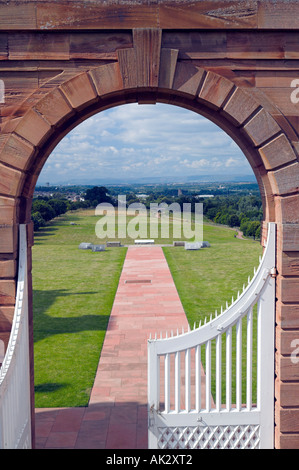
[
  {"x": 44, "y": 208},
  {"x": 97, "y": 194},
  {"x": 38, "y": 221},
  {"x": 258, "y": 232},
  {"x": 58, "y": 205},
  {"x": 211, "y": 213},
  {"x": 244, "y": 225},
  {"x": 252, "y": 228},
  {"x": 233, "y": 220}
]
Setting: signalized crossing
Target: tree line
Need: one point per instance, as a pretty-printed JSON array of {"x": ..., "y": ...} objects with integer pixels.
[
  {"x": 243, "y": 212},
  {"x": 46, "y": 208}
]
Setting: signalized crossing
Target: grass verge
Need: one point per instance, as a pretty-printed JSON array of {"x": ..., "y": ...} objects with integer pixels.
[
  {"x": 207, "y": 278},
  {"x": 73, "y": 293}
]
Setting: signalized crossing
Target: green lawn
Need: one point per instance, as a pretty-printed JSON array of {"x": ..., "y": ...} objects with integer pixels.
[
  {"x": 127, "y": 228},
  {"x": 74, "y": 292},
  {"x": 207, "y": 278}
]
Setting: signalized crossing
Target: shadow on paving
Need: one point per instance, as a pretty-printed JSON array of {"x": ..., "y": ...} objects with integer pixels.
[{"x": 98, "y": 426}]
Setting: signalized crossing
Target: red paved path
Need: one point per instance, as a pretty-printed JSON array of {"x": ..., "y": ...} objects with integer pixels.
[{"x": 116, "y": 417}]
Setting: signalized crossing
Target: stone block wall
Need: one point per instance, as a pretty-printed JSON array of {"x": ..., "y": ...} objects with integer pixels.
[{"x": 234, "y": 62}]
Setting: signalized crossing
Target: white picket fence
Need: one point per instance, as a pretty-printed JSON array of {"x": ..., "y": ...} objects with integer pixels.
[
  {"x": 15, "y": 414},
  {"x": 213, "y": 387}
]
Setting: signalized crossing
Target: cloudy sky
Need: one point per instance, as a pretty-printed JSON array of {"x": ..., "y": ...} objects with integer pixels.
[{"x": 134, "y": 141}]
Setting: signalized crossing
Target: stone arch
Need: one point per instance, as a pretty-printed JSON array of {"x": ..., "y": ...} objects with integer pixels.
[
  {"x": 262, "y": 140},
  {"x": 147, "y": 73}
]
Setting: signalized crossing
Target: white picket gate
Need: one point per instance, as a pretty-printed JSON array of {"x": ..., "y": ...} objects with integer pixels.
[
  {"x": 15, "y": 408},
  {"x": 213, "y": 387}
]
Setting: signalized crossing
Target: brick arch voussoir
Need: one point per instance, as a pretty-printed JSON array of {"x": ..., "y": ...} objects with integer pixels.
[
  {"x": 264, "y": 143},
  {"x": 23, "y": 154}
]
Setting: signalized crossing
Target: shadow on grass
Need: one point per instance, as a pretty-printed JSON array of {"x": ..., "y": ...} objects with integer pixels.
[
  {"x": 53, "y": 225},
  {"x": 48, "y": 387},
  {"x": 46, "y": 231},
  {"x": 45, "y": 325}
]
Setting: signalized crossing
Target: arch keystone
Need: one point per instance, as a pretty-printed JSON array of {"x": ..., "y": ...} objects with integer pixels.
[
  {"x": 147, "y": 45},
  {"x": 127, "y": 65},
  {"x": 140, "y": 65}
]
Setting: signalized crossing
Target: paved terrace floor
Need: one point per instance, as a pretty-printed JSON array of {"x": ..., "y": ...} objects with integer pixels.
[{"x": 146, "y": 302}]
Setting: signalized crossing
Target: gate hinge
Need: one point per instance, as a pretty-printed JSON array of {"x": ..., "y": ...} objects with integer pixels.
[
  {"x": 273, "y": 272},
  {"x": 151, "y": 422},
  {"x": 151, "y": 415}
]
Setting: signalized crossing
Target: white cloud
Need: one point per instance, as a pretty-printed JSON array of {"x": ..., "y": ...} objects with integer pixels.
[
  {"x": 231, "y": 162},
  {"x": 143, "y": 141}
]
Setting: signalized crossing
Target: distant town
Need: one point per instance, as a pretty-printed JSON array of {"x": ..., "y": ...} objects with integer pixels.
[{"x": 76, "y": 193}]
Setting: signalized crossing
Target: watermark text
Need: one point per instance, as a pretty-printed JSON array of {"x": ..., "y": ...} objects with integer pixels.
[{"x": 137, "y": 221}]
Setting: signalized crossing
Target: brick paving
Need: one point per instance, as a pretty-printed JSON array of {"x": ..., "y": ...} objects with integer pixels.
[{"x": 146, "y": 302}]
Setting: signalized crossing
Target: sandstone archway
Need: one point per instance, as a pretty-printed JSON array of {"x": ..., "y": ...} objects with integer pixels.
[{"x": 55, "y": 80}]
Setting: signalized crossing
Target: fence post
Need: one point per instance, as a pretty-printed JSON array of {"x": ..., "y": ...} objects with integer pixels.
[
  {"x": 266, "y": 325},
  {"x": 153, "y": 392}
]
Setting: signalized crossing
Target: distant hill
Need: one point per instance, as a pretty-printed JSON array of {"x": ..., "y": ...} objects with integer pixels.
[{"x": 159, "y": 180}]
